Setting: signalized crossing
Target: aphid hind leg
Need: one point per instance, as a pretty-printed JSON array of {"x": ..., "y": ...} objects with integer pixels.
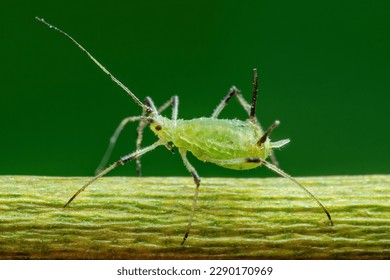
[
  {"x": 252, "y": 116},
  {"x": 122, "y": 161},
  {"x": 196, "y": 177},
  {"x": 279, "y": 172},
  {"x": 174, "y": 101},
  {"x": 249, "y": 108},
  {"x": 115, "y": 136},
  {"x": 252, "y": 113}
]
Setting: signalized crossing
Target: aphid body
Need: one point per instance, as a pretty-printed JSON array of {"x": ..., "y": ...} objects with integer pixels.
[
  {"x": 233, "y": 144},
  {"x": 215, "y": 140}
]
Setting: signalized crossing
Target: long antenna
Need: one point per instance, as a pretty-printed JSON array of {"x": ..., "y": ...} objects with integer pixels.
[{"x": 119, "y": 83}]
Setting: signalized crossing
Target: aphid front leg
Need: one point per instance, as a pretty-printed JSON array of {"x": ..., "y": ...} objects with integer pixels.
[
  {"x": 196, "y": 177},
  {"x": 114, "y": 138},
  {"x": 140, "y": 132},
  {"x": 141, "y": 126},
  {"x": 174, "y": 101},
  {"x": 122, "y": 161}
]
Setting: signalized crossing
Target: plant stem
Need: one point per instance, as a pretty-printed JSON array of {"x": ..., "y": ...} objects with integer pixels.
[{"x": 146, "y": 218}]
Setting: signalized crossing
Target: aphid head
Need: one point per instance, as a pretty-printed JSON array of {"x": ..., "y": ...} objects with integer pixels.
[{"x": 158, "y": 125}]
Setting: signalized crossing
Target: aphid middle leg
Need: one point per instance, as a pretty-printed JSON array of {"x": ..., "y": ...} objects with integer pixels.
[
  {"x": 235, "y": 92},
  {"x": 232, "y": 92},
  {"x": 196, "y": 177},
  {"x": 115, "y": 136}
]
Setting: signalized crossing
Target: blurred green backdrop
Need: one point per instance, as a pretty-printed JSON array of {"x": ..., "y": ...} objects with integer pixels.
[{"x": 324, "y": 73}]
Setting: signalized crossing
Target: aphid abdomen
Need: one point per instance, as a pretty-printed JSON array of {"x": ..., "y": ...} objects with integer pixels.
[{"x": 215, "y": 139}]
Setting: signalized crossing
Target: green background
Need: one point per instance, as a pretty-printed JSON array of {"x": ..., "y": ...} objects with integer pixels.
[{"x": 324, "y": 73}]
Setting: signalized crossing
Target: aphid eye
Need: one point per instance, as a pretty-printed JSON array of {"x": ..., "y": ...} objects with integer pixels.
[{"x": 158, "y": 127}]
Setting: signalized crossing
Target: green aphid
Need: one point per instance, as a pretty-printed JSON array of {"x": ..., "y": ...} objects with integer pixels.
[{"x": 232, "y": 144}]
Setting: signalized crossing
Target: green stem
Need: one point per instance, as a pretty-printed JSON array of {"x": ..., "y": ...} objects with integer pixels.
[{"x": 146, "y": 218}]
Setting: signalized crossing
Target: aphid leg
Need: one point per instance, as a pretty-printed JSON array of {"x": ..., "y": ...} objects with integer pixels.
[
  {"x": 115, "y": 136},
  {"x": 174, "y": 101},
  {"x": 249, "y": 108},
  {"x": 122, "y": 161},
  {"x": 273, "y": 158},
  {"x": 140, "y": 132},
  {"x": 277, "y": 171},
  {"x": 195, "y": 175},
  {"x": 232, "y": 92},
  {"x": 252, "y": 114}
]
